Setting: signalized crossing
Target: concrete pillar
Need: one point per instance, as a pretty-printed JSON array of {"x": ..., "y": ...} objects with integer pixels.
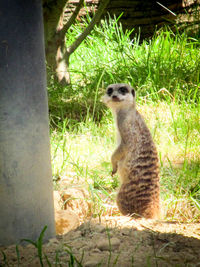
[{"x": 26, "y": 195}]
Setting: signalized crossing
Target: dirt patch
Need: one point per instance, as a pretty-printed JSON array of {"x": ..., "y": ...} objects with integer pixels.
[
  {"x": 114, "y": 241},
  {"x": 117, "y": 241}
]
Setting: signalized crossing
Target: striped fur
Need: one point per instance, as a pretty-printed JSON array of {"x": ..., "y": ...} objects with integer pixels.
[{"x": 135, "y": 160}]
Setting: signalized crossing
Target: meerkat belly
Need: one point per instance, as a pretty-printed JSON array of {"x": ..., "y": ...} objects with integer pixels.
[
  {"x": 122, "y": 172},
  {"x": 139, "y": 191},
  {"x": 124, "y": 168}
]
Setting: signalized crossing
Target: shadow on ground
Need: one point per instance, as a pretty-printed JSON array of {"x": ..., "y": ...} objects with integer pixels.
[{"x": 116, "y": 241}]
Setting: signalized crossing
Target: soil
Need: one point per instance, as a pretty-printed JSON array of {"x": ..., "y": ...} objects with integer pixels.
[{"x": 114, "y": 241}]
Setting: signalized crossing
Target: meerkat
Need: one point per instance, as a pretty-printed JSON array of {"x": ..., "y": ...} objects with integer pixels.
[{"x": 135, "y": 158}]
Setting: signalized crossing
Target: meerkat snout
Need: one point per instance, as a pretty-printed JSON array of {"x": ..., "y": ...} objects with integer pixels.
[
  {"x": 115, "y": 98},
  {"x": 118, "y": 93}
]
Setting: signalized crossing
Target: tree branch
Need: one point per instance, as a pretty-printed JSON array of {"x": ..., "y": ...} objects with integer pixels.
[
  {"x": 52, "y": 10},
  {"x": 60, "y": 33},
  {"x": 73, "y": 17},
  {"x": 89, "y": 28}
]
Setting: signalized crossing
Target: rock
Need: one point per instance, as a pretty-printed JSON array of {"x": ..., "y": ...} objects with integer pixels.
[
  {"x": 66, "y": 220},
  {"x": 89, "y": 245},
  {"x": 53, "y": 242},
  {"x": 126, "y": 232},
  {"x": 74, "y": 199},
  {"x": 95, "y": 250},
  {"x": 77, "y": 234},
  {"x": 93, "y": 260},
  {"x": 91, "y": 263},
  {"x": 104, "y": 244},
  {"x": 99, "y": 228},
  {"x": 58, "y": 203}
]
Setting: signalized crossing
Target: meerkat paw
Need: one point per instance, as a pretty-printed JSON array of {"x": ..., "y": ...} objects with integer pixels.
[
  {"x": 114, "y": 172},
  {"x": 114, "y": 167}
]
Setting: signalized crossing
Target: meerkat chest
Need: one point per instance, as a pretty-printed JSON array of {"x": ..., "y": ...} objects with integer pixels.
[
  {"x": 118, "y": 135},
  {"x": 124, "y": 128}
]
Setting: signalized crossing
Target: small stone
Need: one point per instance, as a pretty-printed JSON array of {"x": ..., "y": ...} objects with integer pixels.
[
  {"x": 126, "y": 232},
  {"x": 99, "y": 228},
  {"x": 95, "y": 250},
  {"x": 65, "y": 221},
  {"x": 58, "y": 203},
  {"x": 88, "y": 246},
  {"x": 91, "y": 263},
  {"x": 30, "y": 246},
  {"x": 190, "y": 257},
  {"x": 76, "y": 234},
  {"x": 104, "y": 244},
  {"x": 52, "y": 242},
  {"x": 74, "y": 199}
]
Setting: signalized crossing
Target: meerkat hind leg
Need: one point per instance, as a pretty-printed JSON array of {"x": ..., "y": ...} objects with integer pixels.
[{"x": 132, "y": 203}]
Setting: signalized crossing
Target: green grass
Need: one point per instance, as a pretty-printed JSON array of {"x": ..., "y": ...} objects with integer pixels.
[
  {"x": 71, "y": 260},
  {"x": 165, "y": 73}
]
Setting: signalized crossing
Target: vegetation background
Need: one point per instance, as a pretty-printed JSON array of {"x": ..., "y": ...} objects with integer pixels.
[{"x": 165, "y": 71}]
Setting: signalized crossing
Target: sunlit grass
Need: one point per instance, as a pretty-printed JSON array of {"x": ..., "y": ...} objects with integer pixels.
[
  {"x": 83, "y": 158},
  {"x": 165, "y": 73}
]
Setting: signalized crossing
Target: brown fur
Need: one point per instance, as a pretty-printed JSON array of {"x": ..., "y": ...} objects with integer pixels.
[{"x": 135, "y": 159}]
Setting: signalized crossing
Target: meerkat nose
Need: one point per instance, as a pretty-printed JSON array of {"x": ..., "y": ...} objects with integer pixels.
[{"x": 115, "y": 98}]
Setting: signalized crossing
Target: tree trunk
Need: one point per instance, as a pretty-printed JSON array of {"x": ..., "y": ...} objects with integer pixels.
[
  {"x": 62, "y": 66},
  {"x": 57, "y": 62},
  {"x": 57, "y": 58},
  {"x": 57, "y": 54}
]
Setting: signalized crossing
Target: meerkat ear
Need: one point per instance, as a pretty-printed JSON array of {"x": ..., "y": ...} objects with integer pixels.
[{"x": 133, "y": 92}]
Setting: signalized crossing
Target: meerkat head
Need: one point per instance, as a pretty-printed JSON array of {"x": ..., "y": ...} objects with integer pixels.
[{"x": 119, "y": 95}]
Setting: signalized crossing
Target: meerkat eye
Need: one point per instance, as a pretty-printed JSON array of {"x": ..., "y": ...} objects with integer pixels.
[
  {"x": 110, "y": 91},
  {"x": 133, "y": 92},
  {"x": 123, "y": 90}
]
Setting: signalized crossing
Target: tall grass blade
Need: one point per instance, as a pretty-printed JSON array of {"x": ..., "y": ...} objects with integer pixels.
[{"x": 38, "y": 244}]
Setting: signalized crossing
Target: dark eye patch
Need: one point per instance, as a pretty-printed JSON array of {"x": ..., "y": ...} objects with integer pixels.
[
  {"x": 110, "y": 91},
  {"x": 123, "y": 90},
  {"x": 133, "y": 92}
]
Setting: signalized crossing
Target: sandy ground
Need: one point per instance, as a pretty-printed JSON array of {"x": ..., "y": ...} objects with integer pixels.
[
  {"x": 111, "y": 240},
  {"x": 116, "y": 241}
]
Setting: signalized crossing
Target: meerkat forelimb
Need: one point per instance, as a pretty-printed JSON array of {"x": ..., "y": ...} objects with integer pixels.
[{"x": 135, "y": 158}]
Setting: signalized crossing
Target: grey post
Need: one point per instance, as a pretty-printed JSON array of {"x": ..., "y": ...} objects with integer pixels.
[{"x": 26, "y": 193}]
